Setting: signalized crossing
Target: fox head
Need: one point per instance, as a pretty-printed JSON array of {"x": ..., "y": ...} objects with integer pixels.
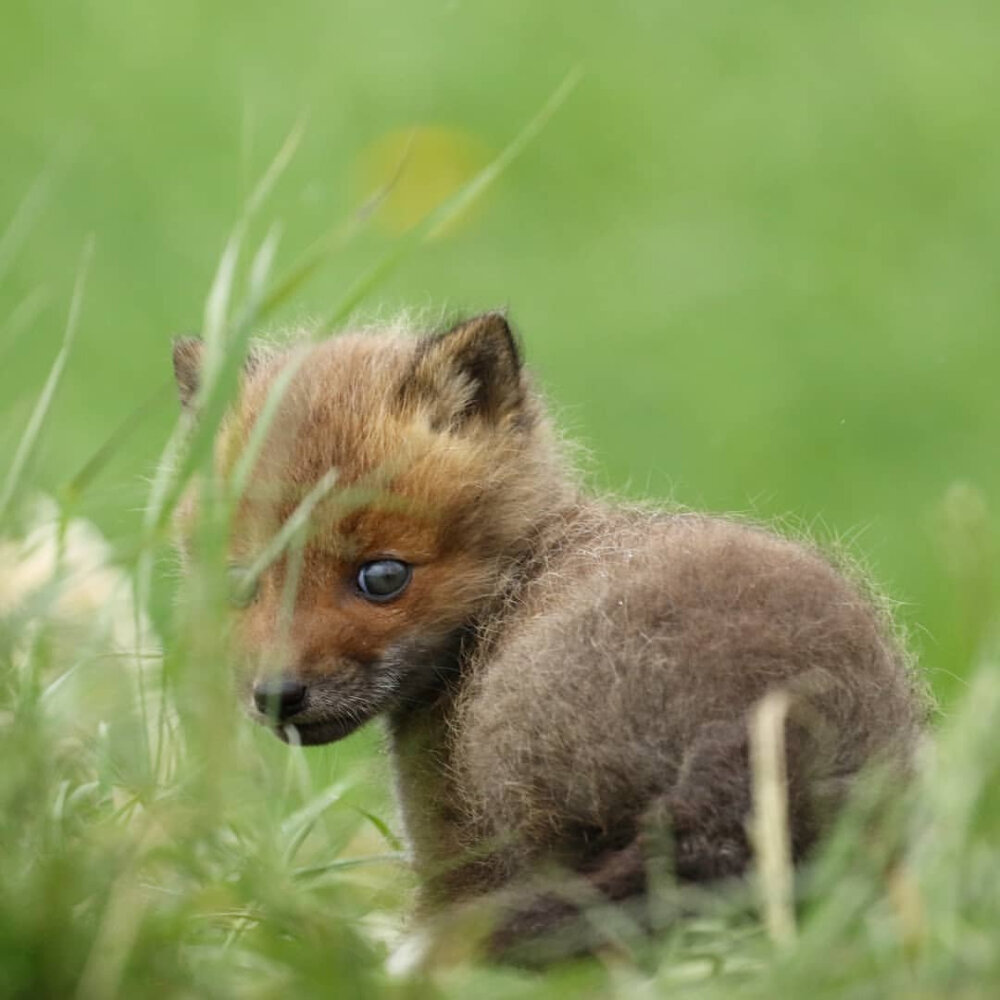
[{"x": 443, "y": 468}]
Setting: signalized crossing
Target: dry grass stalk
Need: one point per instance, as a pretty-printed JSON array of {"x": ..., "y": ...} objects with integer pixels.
[{"x": 769, "y": 832}]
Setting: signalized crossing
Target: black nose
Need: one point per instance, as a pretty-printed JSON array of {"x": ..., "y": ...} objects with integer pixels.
[{"x": 279, "y": 699}]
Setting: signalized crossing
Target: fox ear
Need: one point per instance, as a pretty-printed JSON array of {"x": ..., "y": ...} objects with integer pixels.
[
  {"x": 188, "y": 360},
  {"x": 187, "y": 368},
  {"x": 472, "y": 370}
]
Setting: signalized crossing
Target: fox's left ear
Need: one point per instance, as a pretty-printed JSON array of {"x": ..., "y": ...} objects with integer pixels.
[{"x": 472, "y": 370}]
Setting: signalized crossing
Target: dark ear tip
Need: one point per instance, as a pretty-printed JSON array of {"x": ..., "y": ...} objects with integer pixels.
[
  {"x": 471, "y": 370},
  {"x": 187, "y": 366},
  {"x": 495, "y": 318},
  {"x": 494, "y": 326},
  {"x": 185, "y": 347},
  {"x": 495, "y": 321}
]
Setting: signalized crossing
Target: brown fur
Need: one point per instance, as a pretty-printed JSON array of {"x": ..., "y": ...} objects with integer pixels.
[{"x": 562, "y": 675}]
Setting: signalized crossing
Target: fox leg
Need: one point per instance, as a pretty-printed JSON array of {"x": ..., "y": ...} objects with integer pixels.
[
  {"x": 550, "y": 924},
  {"x": 708, "y": 808},
  {"x": 704, "y": 816}
]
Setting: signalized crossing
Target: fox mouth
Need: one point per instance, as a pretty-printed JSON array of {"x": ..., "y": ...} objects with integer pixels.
[
  {"x": 330, "y": 709},
  {"x": 317, "y": 723},
  {"x": 315, "y": 713},
  {"x": 316, "y": 732}
]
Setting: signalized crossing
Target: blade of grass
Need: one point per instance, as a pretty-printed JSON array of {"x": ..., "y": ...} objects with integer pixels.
[
  {"x": 260, "y": 268},
  {"x": 277, "y": 167},
  {"x": 342, "y": 864},
  {"x": 90, "y": 469},
  {"x": 248, "y": 457},
  {"x": 304, "y": 818},
  {"x": 116, "y": 935},
  {"x": 29, "y": 439},
  {"x": 213, "y": 327},
  {"x": 247, "y": 123},
  {"x": 298, "y": 777},
  {"x": 294, "y": 523},
  {"x": 28, "y": 209},
  {"x": 21, "y": 318},
  {"x": 383, "y": 828},
  {"x": 954, "y": 786}
]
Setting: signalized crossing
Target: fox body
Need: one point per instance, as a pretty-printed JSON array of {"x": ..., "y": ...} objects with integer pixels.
[{"x": 558, "y": 675}]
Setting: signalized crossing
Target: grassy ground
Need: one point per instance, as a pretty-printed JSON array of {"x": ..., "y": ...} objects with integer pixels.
[{"x": 752, "y": 256}]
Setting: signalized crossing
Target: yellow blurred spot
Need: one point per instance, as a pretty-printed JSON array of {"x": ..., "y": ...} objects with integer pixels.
[{"x": 421, "y": 167}]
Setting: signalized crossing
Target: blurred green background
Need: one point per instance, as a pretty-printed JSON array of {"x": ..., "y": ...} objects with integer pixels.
[{"x": 753, "y": 257}]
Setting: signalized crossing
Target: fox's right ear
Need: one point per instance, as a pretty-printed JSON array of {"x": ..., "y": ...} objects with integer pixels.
[
  {"x": 187, "y": 368},
  {"x": 188, "y": 354}
]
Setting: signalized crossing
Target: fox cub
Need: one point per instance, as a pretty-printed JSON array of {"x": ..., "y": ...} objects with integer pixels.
[{"x": 565, "y": 682}]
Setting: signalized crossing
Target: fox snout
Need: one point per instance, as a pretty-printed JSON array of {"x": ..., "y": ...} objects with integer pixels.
[
  {"x": 305, "y": 712},
  {"x": 279, "y": 699}
]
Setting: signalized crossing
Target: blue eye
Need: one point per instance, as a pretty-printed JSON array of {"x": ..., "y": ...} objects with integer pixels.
[{"x": 384, "y": 579}]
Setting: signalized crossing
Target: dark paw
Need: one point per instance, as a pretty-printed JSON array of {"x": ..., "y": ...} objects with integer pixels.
[
  {"x": 705, "y": 858},
  {"x": 704, "y": 851},
  {"x": 709, "y": 843}
]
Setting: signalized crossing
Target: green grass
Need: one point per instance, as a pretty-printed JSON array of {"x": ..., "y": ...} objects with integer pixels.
[{"x": 752, "y": 256}]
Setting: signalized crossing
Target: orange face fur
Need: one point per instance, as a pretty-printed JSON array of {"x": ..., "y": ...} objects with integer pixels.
[{"x": 444, "y": 463}]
